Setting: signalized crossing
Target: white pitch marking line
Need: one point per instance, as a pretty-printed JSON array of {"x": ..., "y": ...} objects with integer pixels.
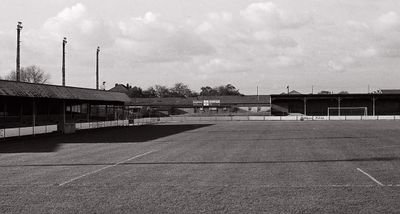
[
  {"x": 384, "y": 147},
  {"x": 370, "y": 176},
  {"x": 106, "y": 167}
]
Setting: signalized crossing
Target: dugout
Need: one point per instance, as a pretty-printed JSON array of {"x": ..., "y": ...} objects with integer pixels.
[
  {"x": 29, "y": 105},
  {"x": 335, "y": 104}
]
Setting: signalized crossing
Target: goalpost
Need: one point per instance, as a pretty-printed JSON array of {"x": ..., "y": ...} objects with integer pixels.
[{"x": 350, "y": 111}]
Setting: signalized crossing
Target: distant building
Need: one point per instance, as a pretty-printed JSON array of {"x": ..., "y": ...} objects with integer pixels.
[
  {"x": 120, "y": 88},
  {"x": 292, "y": 92}
]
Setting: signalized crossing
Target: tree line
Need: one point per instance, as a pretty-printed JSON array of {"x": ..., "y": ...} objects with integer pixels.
[
  {"x": 181, "y": 90},
  {"x": 35, "y": 74}
]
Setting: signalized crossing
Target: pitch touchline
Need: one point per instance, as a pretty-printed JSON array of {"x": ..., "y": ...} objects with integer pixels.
[
  {"x": 384, "y": 147},
  {"x": 370, "y": 176},
  {"x": 106, "y": 167}
]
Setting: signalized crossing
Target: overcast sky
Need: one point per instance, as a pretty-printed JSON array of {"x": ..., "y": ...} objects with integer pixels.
[{"x": 329, "y": 44}]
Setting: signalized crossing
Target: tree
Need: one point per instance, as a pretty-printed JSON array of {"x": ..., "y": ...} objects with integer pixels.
[
  {"x": 150, "y": 93},
  {"x": 162, "y": 91},
  {"x": 208, "y": 91},
  {"x": 32, "y": 74},
  {"x": 180, "y": 90},
  {"x": 344, "y": 92},
  {"x": 135, "y": 92},
  {"x": 194, "y": 94},
  {"x": 227, "y": 90}
]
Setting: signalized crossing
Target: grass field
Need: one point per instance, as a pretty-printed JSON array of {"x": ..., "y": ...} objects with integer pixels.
[{"x": 223, "y": 167}]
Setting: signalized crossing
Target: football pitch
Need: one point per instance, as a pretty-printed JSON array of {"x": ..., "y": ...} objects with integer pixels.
[{"x": 207, "y": 167}]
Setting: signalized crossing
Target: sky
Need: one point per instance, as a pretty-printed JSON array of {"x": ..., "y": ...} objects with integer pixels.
[{"x": 334, "y": 45}]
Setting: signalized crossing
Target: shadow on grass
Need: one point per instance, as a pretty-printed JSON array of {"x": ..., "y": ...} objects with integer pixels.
[{"x": 132, "y": 134}]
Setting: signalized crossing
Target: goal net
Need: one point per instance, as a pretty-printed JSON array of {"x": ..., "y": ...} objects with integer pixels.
[{"x": 344, "y": 111}]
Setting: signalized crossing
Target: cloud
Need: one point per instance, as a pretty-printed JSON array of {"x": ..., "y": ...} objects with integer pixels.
[
  {"x": 218, "y": 64},
  {"x": 268, "y": 14},
  {"x": 69, "y": 15},
  {"x": 220, "y": 16},
  {"x": 204, "y": 27},
  {"x": 335, "y": 66},
  {"x": 77, "y": 25},
  {"x": 356, "y": 25},
  {"x": 145, "y": 28},
  {"x": 283, "y": 42},
  {"x": 286, "y": 61},
  {"x": 149, "y": 17},
  {"x": 257, "y": 33},
  {"x": 151, "y": 40},
  {"x": 262, "y": 12},
  {"x": 386, "y": 35},
  {"x": 380, "y": 37},
  {"x": 259, "y": 36},
  {"x": 389, "y": 21},
  {"x": 367, "y": 53},
  {"x": 219, "y": 44}
]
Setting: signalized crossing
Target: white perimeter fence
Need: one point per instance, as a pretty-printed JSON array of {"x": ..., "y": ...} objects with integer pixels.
[
  {"x": 24, "y": 131},
  {"x": 101, "y": 124},
  {"x": 147, "y": 121},
  {"x": 277, "y": 118}
]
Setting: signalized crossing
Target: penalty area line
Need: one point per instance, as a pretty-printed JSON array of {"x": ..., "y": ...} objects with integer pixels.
[
  {"x": 371, "y": 177},
  {"x": 106, "y": 167}
]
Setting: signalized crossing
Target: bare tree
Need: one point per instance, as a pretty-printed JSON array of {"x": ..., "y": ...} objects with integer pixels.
[{"x": 32, "y": 74}]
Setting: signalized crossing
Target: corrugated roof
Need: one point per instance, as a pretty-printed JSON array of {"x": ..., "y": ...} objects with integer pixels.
[
  {"x": 246, "y": 99},
  {"x": 178, "y": 101},
  {"x": 22, "y": 89},
  {"x": 390, "y": 91},
  {"x": 169, "y": 101}
]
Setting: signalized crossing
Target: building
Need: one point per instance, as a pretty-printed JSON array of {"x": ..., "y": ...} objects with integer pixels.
[
  {"x": 251, "y": 104},
  {"x": 336, "y": 104},
  {"x": 30, "y": 105},
  {"x": 120, "y": 88}
]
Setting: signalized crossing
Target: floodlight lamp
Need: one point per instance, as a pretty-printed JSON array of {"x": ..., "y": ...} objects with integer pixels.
[{"x": 19, "y": 26}]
